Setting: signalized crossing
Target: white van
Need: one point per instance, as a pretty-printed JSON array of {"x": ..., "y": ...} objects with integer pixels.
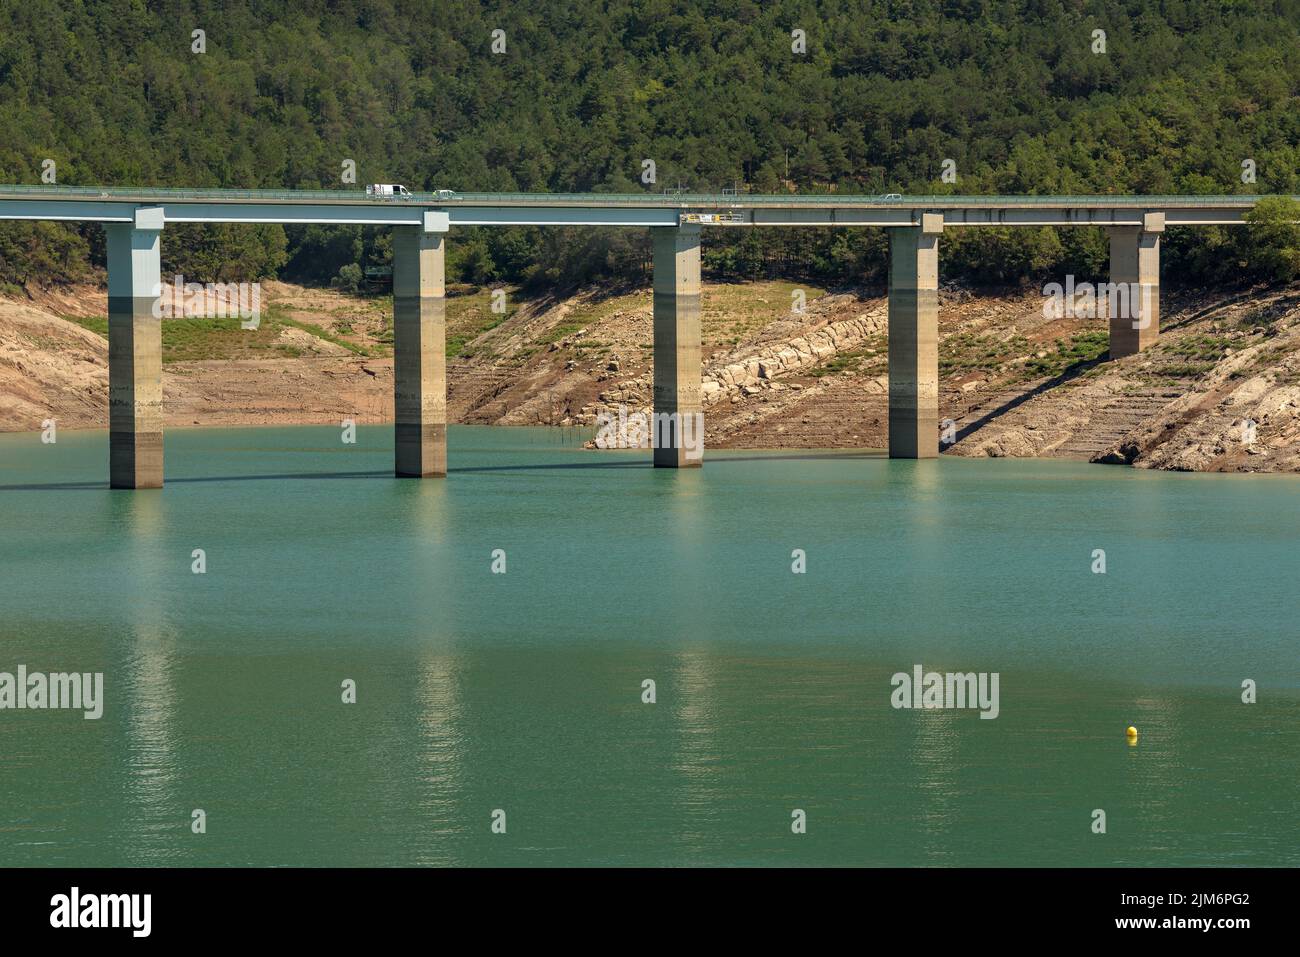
[{"x": 387, "y": 191}]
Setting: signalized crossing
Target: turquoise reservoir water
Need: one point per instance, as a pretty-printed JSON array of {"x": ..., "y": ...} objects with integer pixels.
[{"x": 522, "y": 692}]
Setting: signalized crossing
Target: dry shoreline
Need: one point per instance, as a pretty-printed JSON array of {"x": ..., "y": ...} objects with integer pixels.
[{"x": 1015, "y": 384}]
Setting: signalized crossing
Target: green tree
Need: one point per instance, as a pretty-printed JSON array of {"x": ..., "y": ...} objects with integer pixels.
[{"x": 1274, "y": 243}]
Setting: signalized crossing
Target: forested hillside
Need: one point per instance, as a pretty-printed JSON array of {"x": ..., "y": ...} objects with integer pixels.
[{"x": 1010, "y": 90}]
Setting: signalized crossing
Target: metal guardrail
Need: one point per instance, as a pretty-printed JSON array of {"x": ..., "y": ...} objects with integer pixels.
[{"x": 203, "y": 194}]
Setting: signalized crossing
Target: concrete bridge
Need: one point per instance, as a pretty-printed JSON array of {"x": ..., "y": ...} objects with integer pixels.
[{"x": 134, "y": 220}]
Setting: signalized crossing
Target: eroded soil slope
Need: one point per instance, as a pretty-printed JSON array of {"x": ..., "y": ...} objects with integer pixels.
[{"x": 1221, "y": 390}]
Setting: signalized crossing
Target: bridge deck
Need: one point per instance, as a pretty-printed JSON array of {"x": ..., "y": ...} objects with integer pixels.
[
  {"x": 356, "y": 197},
  {"x": 117, "y": 204}
]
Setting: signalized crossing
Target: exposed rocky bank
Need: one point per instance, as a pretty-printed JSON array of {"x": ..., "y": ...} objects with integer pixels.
[{"x": 1219, "y": 392}]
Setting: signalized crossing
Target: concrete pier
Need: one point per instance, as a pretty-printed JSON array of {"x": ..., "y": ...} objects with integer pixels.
[
  {"x": 678, "y": 414},
  {"x": 420, "y": 351},
  {"x": 1134, "y": 299},
  {"x": 914, "y": 339},
  {"x": 135, "y": 417}
]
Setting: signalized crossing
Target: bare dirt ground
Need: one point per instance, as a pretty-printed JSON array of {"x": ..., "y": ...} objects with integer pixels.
[{"x": 1219, "y": 392}]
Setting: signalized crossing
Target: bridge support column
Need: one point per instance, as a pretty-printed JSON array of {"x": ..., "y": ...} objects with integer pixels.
[
  {"x": 420, "y": 351},
  {"x": 678, "y": 428},
  {"x": 1134, "y": 296},
  {"x": 914, "y": 339},
  {"x": 135, "y": 417}
]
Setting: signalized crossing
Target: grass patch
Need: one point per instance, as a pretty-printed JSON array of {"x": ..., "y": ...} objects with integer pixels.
[
  {"x": 562, "y": 331},
  {"x": 968, "y": 352},
  {"x": 1262, "y": 318},
  {"x": 1080, "y": 348},
  {"x": 325, "y": 334},
  {"x": 469, "y": 315},
  {"x": 872, "y": 350},
  {"x": 841, "y": 362},
  {"x": 1200, "y": 347},
  {"x": 96, "y": 324},
  {"x": 733, "y": 311},
  {"x": 198, "y": 338},
  {"x": 1187, "y": 370}
]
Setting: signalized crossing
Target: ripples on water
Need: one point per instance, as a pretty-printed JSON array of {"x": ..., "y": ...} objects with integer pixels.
[{"x": 523, "y": 691}]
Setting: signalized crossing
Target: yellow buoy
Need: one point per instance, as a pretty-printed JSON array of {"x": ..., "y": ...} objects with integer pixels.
[{"x": 1132, "y": 732}]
